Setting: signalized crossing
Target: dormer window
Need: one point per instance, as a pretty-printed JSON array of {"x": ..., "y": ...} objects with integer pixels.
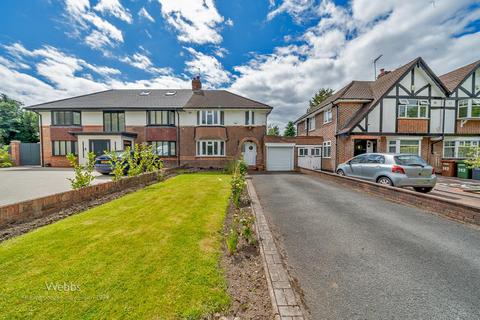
[
  {"x": 210, "y": 117},
  {"x": 469, "y": 109},
  {"x": 412, "y": 108}
]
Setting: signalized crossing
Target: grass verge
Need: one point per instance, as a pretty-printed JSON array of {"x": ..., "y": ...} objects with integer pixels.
[{"x": 152, "y": 254}]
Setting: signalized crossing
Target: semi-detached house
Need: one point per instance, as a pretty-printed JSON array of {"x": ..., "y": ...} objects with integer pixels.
[
  {"x": 193, "y": 127},
  {"x": 407, "y": 110}
]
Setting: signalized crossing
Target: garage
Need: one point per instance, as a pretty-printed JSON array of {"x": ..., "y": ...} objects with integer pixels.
[{"x": 280, "y": 156}]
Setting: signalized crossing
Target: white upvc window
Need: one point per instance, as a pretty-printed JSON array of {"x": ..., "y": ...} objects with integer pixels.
[
  {"x": 327, "y": 116},
  {"x": 211, "y": 148},
  {"x": 327, "y": 149},
  {"x": 459, "y": 148},
  {"x": 311, "y": 123},
  {"x": 413, "y": 108},
  {"x": 316, "y": 152},
  {"x": 412, "y": 146},
  {"x": 210, "y": 117},
  {"x": 302, "y": 152},
  {"x": 468, "y": 109},
  {"x": 249, "y": 117}
]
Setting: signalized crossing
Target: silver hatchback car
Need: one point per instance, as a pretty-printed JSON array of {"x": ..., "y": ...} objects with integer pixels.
[{"x": 399, "y": 170}]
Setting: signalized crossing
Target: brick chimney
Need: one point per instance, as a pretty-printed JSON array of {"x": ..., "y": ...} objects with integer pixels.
[
  {"x": 382, "y": 73},
  {"x": 196, "y": 84}
]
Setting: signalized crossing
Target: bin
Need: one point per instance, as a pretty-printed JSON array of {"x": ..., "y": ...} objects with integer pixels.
[
  {"x": 476, "y": 173},
  {"x": 448, "y": 168},
  {"x": 463, "y": 171}
]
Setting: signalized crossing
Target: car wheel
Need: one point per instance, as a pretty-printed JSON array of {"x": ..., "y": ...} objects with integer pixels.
[
  {"x": 386, "y": 181},
  {"x": 423, "y": 189},
  {"x": 340, "y": 172}
]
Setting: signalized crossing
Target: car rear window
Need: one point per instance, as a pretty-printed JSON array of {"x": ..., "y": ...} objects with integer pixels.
[{"x": 409, "y": 160}]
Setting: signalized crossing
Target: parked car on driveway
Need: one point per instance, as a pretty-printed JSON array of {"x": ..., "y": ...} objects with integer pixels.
[
  {"x": 399, "y": 170},
  {"x": 102, "y": 163}
]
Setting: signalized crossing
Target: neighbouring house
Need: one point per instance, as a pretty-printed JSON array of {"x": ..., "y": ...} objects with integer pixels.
[
  {"x": 407, "y": 110},
  {"x": 192, "y": 127}
]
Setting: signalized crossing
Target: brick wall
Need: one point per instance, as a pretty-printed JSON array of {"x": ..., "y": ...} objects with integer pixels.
[
  {"x": 301, "y": 128},
  {"x": 435, "y": 204},
  {"x": 31, "y": 209},
  {"x": 15, "y": 152},
  {"x": 412, "y": 126},
  {"x": 346, "y": 111},
  {"x": 235, "y": 136}
]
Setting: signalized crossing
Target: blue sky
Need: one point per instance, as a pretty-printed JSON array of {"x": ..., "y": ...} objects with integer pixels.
[{"x": 276, "y": 51}]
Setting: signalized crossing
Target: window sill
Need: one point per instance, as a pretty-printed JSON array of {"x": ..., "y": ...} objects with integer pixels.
[
  {"x": 161, "y": 125},
  {"x": 210, "y": 156},
  {"x": 66, "y": 125},
  {"x": 474, "y": 118},
  {"x": 405, "y": 118},
  {"x": 328, "y": 122}
]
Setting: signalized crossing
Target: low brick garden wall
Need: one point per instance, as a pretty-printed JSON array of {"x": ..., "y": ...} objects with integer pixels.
[
  {"x": 435, "y": 204},
  {"x": 36, "y": 208}
]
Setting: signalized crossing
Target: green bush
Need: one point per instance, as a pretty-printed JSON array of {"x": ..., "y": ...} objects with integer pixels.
[
  {"x": 5, "y": 160},
  {"x": 143, "y": 159},
  {"x": 238, "y": 181},
  {"x": 232, "y": 241},
  {"x": 118, "y": 164},
  {"x": 83, "y": 174},
  {"x": 473, "y": 155}
]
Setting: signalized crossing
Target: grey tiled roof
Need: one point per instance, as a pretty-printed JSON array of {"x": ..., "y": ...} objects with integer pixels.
[{"x": 156, "y": 98}]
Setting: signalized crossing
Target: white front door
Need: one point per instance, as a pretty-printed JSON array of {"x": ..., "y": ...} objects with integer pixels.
[{"x": 250, "y": 153}]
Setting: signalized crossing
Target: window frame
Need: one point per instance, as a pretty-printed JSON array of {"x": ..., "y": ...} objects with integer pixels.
[
  {"x": 204, "y": 115},
  {"x": 249, "y": 118},
  {"x": 302, "y": 152},
  {"x": 406, "y": 105},
  {"x": 398, "y": 146},
  {"x": 329, "y": 118},
  {"x": 72, "y": 118},
  {"x": 73, "y": 147},
  {"x": 170, "y": 116},
  {"x": 327, "y": 149},
  {"x": 469, "y": 106},
  {"x": 311, "y": 123},
  {"x": 216, "y": 145},
  {"x": 316, "y": 151},
  {"x": 111, "y": 113},
  {"x": 171, "y": 146}
]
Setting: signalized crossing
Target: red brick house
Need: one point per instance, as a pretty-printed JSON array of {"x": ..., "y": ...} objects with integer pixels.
[
  {"x": 202, "y": 128},
  {"x": 407, "y": 110}
]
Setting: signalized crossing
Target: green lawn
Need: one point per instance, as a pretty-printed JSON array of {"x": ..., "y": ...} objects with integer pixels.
[{"x": 152, "y": 254}]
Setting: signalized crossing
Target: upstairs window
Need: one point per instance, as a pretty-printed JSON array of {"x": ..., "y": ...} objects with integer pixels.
[
  {"x": 412, "y": 108},
  {"x": 113, "y": 121},
  {"x": 161, "y": 118},
  {"x": 311, "y": 123},
  {"x": 66, "y": 118},
  {"x": 249, "y": 118},
  {"x": 469, "y": 109},
  {"x": 210, "y": 117},
  {"x": 327, "y": 116}
]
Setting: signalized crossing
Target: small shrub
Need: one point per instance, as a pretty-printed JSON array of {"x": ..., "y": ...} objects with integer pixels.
[
  {"x": 246, "y": 222},
  {"x": 238, "y": 182},
  {"x": 5, "y": 160},
  {"x": 83, "y": 174},
  {"x": 118, "y": 165},
  {"x": 232, "y": 241},
  {"x": 149, "y": 161},
  {"x": 473, "y": 155}
]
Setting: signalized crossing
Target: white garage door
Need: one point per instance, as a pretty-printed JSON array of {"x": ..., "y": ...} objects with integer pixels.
[{"x": 280, "y": 158}]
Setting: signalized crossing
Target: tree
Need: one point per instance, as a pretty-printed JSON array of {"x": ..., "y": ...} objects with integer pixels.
[
  {"x": 273, "y": 131},
  {"x": 320, "y": 96},
  {"x": 16, "y": 123},
  {"x": 289, "y": 130}
]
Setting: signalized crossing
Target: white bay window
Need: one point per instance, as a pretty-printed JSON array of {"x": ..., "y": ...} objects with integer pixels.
[
  {"x": 459, "y": 148},
  {"x": 469, "y": 109}
]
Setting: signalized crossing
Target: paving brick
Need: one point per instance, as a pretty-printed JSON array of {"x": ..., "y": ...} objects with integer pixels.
[{"x": 290, "y": 311}]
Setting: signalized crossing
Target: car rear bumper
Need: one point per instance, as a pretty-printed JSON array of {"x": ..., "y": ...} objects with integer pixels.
[
  {"x": 103, "y": 168},
  {"x": 415, "y": 182}
]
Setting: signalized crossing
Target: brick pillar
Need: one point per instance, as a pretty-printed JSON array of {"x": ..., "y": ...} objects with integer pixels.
[{"x": 15, "y": 152}]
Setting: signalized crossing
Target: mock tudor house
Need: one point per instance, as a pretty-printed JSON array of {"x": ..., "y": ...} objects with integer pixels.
[
  {"x": 407, "y": 110},
  {"x": 192, "y": 127}
]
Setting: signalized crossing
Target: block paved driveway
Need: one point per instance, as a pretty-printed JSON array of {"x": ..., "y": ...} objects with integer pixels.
[
  {"x": 357, "y": 256},
  {"x": 24, "y": 183}
]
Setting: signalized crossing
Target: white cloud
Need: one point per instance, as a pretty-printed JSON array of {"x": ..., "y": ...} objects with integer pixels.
[
  {"x": 98, "y": 32},
  {"x": 59, "y": 75},
  {"x": 344, "y": 41},
  {"x": 195, "y": 21},
  {"x": 208, "y": 67},
  {"x": 143, "y": 62},
  {"x": 144, "y": 13},
  {"x": 114, "y": 8},
  {"x": 298, "y": 9}
]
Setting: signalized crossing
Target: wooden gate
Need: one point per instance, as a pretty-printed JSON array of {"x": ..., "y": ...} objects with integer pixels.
[{"x": 29, "y": 154}]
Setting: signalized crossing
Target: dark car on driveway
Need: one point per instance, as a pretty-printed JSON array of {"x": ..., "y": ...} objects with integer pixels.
[{"x": 102, "y": 163}]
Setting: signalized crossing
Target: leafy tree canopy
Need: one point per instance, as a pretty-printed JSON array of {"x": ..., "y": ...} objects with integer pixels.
[
  {"x": 320, "y": 96},
  {"x": 273, "y": 131},
  {"x": 289, "y": 130},
  {"x": 16, "y": 123}
]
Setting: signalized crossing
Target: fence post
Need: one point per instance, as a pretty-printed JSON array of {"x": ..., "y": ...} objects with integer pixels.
[{"x": 15, "y": 152}]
